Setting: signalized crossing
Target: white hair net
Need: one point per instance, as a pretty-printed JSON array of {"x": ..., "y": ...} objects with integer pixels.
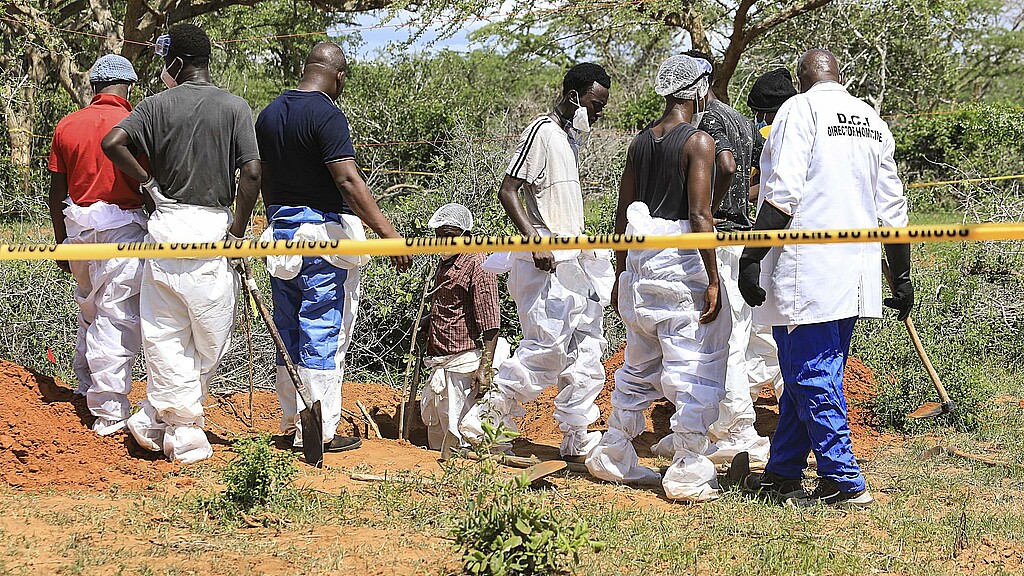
[
  {"x": 452, "y": 215},
  {"x": 683, "y": 77}
]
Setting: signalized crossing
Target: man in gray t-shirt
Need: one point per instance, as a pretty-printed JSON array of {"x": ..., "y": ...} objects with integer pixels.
[
  {"x": 196, "y": 136},
  {"x": 194, "y": 161}
]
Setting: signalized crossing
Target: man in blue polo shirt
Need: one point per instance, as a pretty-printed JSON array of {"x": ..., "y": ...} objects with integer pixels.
[{"x": 313, "y": 191}]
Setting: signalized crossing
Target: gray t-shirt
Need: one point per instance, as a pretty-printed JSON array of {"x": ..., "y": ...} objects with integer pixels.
[
  {"x": 195, "y": 136},
  {"x": 734, "y": 132}
]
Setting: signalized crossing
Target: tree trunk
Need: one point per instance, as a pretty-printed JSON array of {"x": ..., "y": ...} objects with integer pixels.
[{"x": 19, "y": 115}]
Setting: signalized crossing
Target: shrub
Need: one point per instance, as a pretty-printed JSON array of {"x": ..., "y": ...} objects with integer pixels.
[
  {"x": 258, "y": 475},
  {"x": 506, "y": 530}
]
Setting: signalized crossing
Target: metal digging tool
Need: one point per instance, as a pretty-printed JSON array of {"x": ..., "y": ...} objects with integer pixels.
[
  {"x": 310, "y": 418},
  {"x": 928, "y": 409}
]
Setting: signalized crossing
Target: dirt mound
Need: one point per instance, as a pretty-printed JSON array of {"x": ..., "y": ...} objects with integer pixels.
[
  {"x": 858, "y": 383},
  {"x": 230, "y": 414},
  {"x": 45, "y": 438}
]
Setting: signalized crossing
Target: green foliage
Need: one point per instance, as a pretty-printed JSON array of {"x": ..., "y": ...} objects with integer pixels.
[
  {"x": 506, "y": 530},
  {"x": 637, "y": 109},
  {"x": 414, "y": 98},
  {"x": 258, "y": 475},
  {"x": 981, "y": 135}
]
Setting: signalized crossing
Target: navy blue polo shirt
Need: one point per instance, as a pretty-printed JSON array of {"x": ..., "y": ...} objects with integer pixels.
[{"x": 299, "y": 134}]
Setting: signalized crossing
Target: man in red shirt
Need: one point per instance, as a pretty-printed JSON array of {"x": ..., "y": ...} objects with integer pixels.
[{"x": 92, "y": 201}]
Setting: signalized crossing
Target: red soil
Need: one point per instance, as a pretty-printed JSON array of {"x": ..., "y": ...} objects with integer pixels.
[{"x": 45, "y": 438}]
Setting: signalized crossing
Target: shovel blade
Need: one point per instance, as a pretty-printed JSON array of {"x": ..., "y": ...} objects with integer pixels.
[
  {"x": 931, "y": 410},
  {"x": 544, "y": 469},
  {"x": 312, "y": 435}
]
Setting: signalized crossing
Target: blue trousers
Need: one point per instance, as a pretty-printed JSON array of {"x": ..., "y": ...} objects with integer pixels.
[
  {"x": 812, "y": 410},
  {"x": 308, "y": 311}
]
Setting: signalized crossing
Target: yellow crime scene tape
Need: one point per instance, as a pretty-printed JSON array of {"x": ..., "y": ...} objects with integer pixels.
[{"x": 464, "y": 244}]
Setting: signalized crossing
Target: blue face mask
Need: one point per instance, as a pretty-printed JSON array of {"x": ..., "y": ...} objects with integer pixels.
[{"x": 759, "y": 124}]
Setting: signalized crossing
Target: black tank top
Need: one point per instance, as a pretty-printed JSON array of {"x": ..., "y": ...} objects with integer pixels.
[{"x": 660, "y": 180}]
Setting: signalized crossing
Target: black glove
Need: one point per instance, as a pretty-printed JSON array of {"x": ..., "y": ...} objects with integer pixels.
[
  {"x": 750, "y": 281},
  {"x": 768, "y": 218},
  {"x": 898, "y": 257}
]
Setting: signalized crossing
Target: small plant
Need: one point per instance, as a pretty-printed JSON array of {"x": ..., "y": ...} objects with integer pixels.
[
  {"x": 506, "y": 530},
  {"x": 259, "y": 474}
]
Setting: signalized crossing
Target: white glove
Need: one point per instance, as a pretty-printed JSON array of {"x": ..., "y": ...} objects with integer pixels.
[{"x": 153, "y": 187}]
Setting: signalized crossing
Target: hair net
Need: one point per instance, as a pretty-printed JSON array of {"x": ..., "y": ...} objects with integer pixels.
[
  {"x": 112, "y": 68},
  {"x": 683, "y": 77},
  {"x": 452, "y": 215}
]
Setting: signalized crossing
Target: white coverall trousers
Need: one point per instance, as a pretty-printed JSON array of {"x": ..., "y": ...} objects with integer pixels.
[
  {"x": 109, "y": 331},
  {"x": 188, "y": 314},
  {"x": 562, "y": 344},
  {"x": 734, "y": 431},
  {"x": 448, "y": 395},
  {"x": 669, "y": 354}
]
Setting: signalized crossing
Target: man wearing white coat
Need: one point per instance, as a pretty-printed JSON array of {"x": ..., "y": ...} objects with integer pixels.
[
  {"x": 560, "y": 295},
  {"x": 828, "y": 163},
  {"x": 677, "y": 337}
]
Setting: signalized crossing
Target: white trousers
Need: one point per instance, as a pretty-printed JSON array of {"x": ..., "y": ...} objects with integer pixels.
[
  {"x": 188, "y": 313},
  {"x": 448, "y": 395},
  {"x": 763, "y": 361},
  {"x": 323, "y": 385},
  {"x": 669, "y": 354},
  {"x": 562, "y": 345},
  {"x": 734, "y": 431},
  {"x": 109, "y": 331}
]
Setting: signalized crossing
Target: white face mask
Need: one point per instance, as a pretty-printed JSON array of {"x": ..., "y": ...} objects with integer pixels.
[
  {"x": 699, "y": 115},
  {"x": 581, "y": 119},
  {"x": 169, "y": 80}
]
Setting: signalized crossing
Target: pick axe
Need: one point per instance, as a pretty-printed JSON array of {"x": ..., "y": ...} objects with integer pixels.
[
  {"x": 310, "y": 417},
  {"x": 928, "y": 409}
]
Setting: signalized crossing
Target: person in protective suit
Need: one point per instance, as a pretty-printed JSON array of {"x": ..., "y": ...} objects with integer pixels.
[
  {"x": 196, "y": 137},
  {"x": 91, "y": 201},
  {"x": 462, "y": 332},
  {"x": 313, "y": 192},
  {"x": 560, "y": 294},
  {"x": 677, "y": 338}
]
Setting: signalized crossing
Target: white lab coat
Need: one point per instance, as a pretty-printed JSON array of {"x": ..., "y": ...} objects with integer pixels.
[{"x": 829, "y": 163}]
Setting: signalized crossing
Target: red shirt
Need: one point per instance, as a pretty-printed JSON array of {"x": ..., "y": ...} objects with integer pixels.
[{"x": 76, "y": 152}]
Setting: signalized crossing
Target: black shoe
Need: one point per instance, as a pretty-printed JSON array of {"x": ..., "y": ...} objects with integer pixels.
[
  {"x": 774, "y": 486},
  {"x": 342, "y": 444},
  {"x": 828, "y": 493}
]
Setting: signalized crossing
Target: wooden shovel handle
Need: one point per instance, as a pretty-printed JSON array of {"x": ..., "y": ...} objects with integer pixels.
[{"x": 918, "y": 347}]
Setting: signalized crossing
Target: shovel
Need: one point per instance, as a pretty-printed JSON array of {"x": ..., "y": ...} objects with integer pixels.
[
  {"x": 310, "y": 418},
  {"x": 928, "y": 409}
]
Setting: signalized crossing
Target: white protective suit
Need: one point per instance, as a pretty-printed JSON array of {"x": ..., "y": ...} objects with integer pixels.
[
  {"x": 562, "y": 317},
  {"x": 323, "y": 384},
  {"x": 669, "y": 354},
  {"x": 109, "y": 331},
  {"x": 449, "y": 391},
  {"x": 188, "y": 313},
  {"x": 734, "y": 431}
]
